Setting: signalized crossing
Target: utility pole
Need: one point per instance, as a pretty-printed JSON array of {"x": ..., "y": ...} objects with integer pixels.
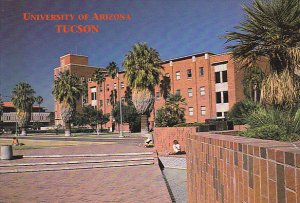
[{"x": 121, "y": 119}]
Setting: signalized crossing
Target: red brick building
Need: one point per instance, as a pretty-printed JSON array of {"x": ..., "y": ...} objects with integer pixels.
[
  {"x": 76, "y": 64},
  {"x": 210, "y": 83}
]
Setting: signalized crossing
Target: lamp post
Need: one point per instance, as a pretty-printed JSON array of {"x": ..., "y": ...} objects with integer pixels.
[{"x": 121, "y": 118}]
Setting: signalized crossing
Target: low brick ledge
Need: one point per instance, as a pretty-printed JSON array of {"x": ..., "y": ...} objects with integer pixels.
[{"x": 282, "y": 152}]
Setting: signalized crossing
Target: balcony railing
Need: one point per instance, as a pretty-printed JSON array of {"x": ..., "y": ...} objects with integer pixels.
[{"x": 35, "y": 117}]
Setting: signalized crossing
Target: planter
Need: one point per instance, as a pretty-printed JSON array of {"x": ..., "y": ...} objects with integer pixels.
[{"x": 6, "y": 152}]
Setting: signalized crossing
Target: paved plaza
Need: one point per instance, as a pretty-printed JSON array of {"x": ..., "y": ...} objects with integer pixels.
[{"x": 137, "y": 183}]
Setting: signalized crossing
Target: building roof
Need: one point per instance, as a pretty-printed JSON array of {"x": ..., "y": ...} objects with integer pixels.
[
  {"x": 187, "y": 56},
  {"x": 11, "y": 105}
]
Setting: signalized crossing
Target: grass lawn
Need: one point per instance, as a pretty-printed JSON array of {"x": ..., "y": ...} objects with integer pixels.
[{"x": 38, "y": 144}]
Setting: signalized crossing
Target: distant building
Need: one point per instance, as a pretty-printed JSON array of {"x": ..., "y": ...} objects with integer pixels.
[
  {"x": 38, "y": 115},
  {"x": 210, "y": 83},
  {"x": 78, "y": 65}
]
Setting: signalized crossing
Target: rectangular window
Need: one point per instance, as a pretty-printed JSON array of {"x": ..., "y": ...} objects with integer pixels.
[
  {"x": 218, "y": 77},
  {"x": 224, "y": 76},
  {"x": 201, "y": 69},
  {"x": 101, "y": 103},
  {"x": 157, "y": 95},
  {"x": 167, "y": 75},
  {"x": 122, "y": 85},
  {"x": 218, "y": 97},
  {"x": 90, "y": 79},
  {"x": 177, "y": 92},
  {"x": 225, "y": 97},
  {"x": 203, "y": 110},
  {"x": 107, "y": 87},
  {"x": 93, "y": 95},
  {"x": 189, "y": 73},
  {"x": 191, "y": 111},
  {"x": 115, "y": 86},
  {"x": 219, "y": 114},
  {"x": 107, "y": 102},
  {"x": 190, "y": 92},
  {"x": 225, "y": 114},
  {"x": 100, "y": 88},
  {"x": 178, "y": 75},
  {"x": 202, "y": 91}
]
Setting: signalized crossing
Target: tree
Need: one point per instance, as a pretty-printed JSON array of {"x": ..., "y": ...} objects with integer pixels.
[
  {"x": 130, "y": 116},
  {"x": 172, "y": 113},
  {"x": 39, "y": 100},
  {"x": 113, "y": 97},
  {"x": 128, "y": 96},
  {"x": 271, "y": 30},
  {"x": 99, "y": 78},
  {"x": 252, "y": 83},
  {"x": 1, "y": 111},
  {"x": 23, "y": 98},
  {"x": 165, "y": 87},
  {"x": 142, "y": 70},
  {"x": 112, "y": 69},
  {"x": 67, "y": 91},
  {"x": 84, "y": 88}
]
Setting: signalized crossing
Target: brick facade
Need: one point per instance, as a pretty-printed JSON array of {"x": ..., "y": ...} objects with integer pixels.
[
  {"x": 223, "y": 168},
  {"x": 194, "y": 76}
]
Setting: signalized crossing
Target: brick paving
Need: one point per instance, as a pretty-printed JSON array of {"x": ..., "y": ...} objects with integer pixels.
[
  {"x": 173, "y": 162},
  {"x": 122, "y": 184}
]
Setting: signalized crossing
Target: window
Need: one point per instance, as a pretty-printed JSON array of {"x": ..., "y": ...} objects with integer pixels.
[
  {"x": 189, "y": 73},
  {"x": 225, "y": 114},
  {"x": 218, "y": 97},
  {"x": 190, "y": 92},
  {"x": 225, "y": 97},
  {"x": 178, "y": 75},
  {"x": 222, "y": 97},
  {"x": 191, "y": 111},
  {"x": 115, "y": 86},
  {"x": 218, "y": 77},
  {"x": 202, "y": 91},
  {"x": 203, "y": 110},
  {"x": 122, "y": 85},
  {"x": 82, "y": 79},
  {"x": 219, "y": 114},
  {"x": 167, "y": 75},
  {"x": 157, "y": 95},
  {"x": 107, "y": 87},
  {"x": 100, "y": 88},
  {"x": 201, "y": 70},
  {"x": 123, "y": 99},
  {"x": 90, "y": 79},
  {"x": 107, "y": 102},
  {"x": 101, "y": 103},
  {"x": 221, "y": 76},
  {"x": 177, "y": 92},
  {"x": 224, "y": 76}
]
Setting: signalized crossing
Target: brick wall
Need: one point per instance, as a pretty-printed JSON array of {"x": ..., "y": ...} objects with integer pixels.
[
  {"x": 223, "y": 168},
  {"x": 164, "y": 137}
]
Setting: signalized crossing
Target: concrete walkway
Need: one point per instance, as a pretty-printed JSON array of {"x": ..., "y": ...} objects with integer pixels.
[{"x": 136, "y": 183}]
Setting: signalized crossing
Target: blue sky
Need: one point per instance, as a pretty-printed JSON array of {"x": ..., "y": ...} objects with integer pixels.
[{"x": 30, "y": 50}]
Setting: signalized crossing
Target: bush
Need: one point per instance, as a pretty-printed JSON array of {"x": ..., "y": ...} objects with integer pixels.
[
  {"x": 188, "y": 124},
  {"x": 241, "y": 110},
  {"x": 275, "y": 124}
]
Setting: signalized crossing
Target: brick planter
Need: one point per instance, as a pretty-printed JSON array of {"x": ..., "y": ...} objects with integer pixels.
[{"x": 223, "y": 168}]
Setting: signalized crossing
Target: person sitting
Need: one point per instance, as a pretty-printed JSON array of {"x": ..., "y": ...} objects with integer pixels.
[
  {"x": 148, "y": 143},
  {"x": 176, "y": 148},
  {"x": 15, "y": 142}
]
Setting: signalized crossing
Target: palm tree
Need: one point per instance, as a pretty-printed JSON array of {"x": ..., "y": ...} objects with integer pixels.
[
  {"x": 271, "y": 30},
  {"x": 23, "y": 98},
  {"x": 67, "y": 91},
  {"x": 39, "y": 100},
  {"x": 112, "y": 69},
  {"x": 252, "y": 81},
  {"x": 84, "y": 88},
  {"x": 99, "y": 78},
  {"x": 142, "y": 70}
]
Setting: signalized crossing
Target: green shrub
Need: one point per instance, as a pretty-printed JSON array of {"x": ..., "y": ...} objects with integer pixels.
[
  {"x": 189, "y": 124},
  {"x": 241, "y": 110},
  {"x": 275, "y": 124}
]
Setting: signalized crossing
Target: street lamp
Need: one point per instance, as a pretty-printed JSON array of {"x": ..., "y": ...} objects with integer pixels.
[{"x": 121, "y": 118}]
